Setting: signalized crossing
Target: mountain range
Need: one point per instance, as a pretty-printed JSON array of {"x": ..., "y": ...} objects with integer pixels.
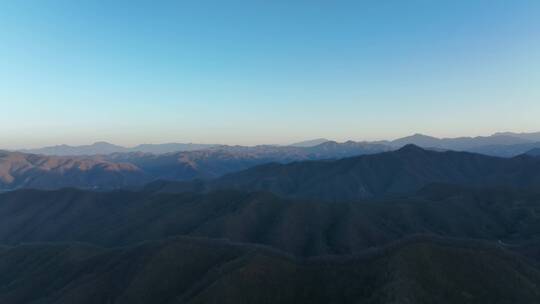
[
  {"x": 384, "y": 174},
  {"x": 332, "y": 223},
  {"x": 19, "y": 170},
  {"x": 327, "y": 171},
  {"x": 504, "y": 144},
  {"x": 103, "y": 148}
]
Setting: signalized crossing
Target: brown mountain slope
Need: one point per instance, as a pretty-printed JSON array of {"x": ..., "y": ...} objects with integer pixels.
[{"x": 19, "y": 170}]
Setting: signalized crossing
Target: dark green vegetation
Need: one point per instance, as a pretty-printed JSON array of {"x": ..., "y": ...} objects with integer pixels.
[
  {"x": 200, "y": 271},
  {"x": 391, "y": 173}
]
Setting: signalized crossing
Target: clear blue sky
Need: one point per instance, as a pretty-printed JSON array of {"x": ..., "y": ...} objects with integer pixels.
[{"x": 249, "y": 72}]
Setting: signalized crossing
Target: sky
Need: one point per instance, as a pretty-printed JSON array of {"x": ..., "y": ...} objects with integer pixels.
[{"x": 252, "y": 72}]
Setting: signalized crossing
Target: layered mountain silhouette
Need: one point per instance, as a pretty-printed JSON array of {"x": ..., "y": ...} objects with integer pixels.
[
  {"x": 296, "y": 172},
  {"x": 504, "y": 144},
  {"x": 460, "y": 143},
  {"x": 390, "y": 173},
  {"x": 534, "y": 136},
  {"x": 499, "y": 144},
  {"x": 18, "y": 170},
  {"x": 271, "y": 224},
  {"x": 506, "y": 150},
  {"x": 102, "y": 148},
  {"x": 307, "y": 172}
]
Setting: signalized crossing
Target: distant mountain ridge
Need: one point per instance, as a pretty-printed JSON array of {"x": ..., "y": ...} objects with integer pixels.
[
  {"x": 310, "y": 143},
  {"x": 136, "y": 168},
  {"x": 350, "y": 170},
  {"x": 458, "y": 143},
  {"x": 504, "y": 144},
  {"x": 103, "y": 148},
  {"x": 534, "y": 136}
]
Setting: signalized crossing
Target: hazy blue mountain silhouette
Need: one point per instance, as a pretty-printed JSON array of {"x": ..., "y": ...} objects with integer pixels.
[
  {"x": 533, "y": 152},
  {"x": 104, "y": 148},
  {"x": 390, "y": 173},
  {"x": 310, "y": 143},
  {"x": 482, "y": 144},
  {"x": 459, "y": 143}
]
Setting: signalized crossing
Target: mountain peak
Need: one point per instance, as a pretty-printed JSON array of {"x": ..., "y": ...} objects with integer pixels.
[
  {"x": 411, "y": 148},
  {"x": 417, "y": 139},
  {"x": 310, "y": 143},
  {"x": 102, "y": 143}
]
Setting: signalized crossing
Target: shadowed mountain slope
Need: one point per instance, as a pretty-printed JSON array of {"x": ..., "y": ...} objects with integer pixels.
[
  {"x": 198, "y": 271},
  {"x": 302, "y": 228}
]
